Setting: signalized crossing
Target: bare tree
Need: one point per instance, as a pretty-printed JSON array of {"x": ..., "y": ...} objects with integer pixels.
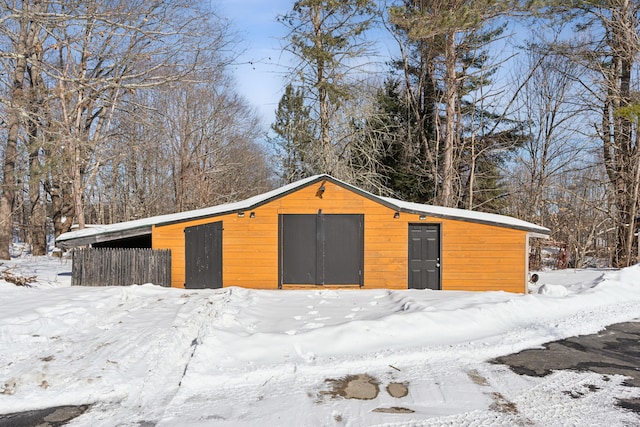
[
  {"x": 22, "y": 34},
  {"x": 583, "y": 202},
  {"x": 608, "y": 50},
  {"x": 619, "y": 131},
  {"x": 72, "y": 67},
  {"x": 547, "y": 105},
  {"x": 105, "y": 50},
  {"x": 188, "y": 145},
  {"x": 211, "y": 137}
]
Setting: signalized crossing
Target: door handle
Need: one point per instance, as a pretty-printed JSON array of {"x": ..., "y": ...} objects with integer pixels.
[{"x": 438, "y": 265}]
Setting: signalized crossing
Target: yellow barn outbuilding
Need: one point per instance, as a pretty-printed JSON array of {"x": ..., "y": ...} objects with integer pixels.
[{"x": 322, "y": 232}]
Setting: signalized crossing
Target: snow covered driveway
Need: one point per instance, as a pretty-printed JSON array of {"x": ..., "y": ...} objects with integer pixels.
[{"x": 145, "y": 355}]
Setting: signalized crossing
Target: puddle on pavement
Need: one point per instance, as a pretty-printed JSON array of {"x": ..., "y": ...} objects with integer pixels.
[
  {"x": 366, "y": 387},
  {"x": 398, "y": 390},
  {"x": 362, "y": 387}
]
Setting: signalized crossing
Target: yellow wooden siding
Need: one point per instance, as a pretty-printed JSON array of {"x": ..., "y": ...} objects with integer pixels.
[
  {"x": 474, "y": 256},
  {"x": 482, "y": 257}
]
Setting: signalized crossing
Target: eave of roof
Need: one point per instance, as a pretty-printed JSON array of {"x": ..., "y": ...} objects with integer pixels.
[
  {"x": 100, "y": 234},
  {"x": 469, "y": 216},
  {"x": 103, "y": 233}
]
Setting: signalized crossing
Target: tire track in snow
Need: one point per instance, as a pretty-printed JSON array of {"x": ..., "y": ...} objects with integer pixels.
[
  {"x": 89, "y": 362},
  {"x": 169, "y": 353},
  {"x": 201, "y": 309}
]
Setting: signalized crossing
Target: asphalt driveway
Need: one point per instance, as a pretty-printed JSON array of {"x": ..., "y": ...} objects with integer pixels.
[
  {"x": 613, "y": 351},
  {"x": 49, "y": 417}
]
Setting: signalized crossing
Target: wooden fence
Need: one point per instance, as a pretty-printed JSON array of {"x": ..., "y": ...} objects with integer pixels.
[{"x": 121, "y": 267}]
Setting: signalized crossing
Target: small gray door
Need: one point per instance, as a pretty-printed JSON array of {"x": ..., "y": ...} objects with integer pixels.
[
  {"x": 203, "y": 256},
  {"x": 424, "y": 256},
  {"x": 321, "y": 249}
]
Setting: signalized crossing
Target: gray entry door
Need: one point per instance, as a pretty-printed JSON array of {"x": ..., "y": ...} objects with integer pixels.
[
  {"x": 424, "y": 256},
  {"x": 203, "y": 256},
  {"x": 321, "y": 249}
]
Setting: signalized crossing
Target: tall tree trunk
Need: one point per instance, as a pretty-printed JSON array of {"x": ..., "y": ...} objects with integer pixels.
[
  {"x": 37, "y": 211},
  {"x": 446, "y": 197},
  {"x": 425, "y": 109},
  {"x": 620, "y": 152},
  {"x": 9, "y": 184},
  {"x": 76, "y": 182},
  {"x": 472, "y": 172},
  {"x": 61, "y": 209},
  {"x": 37, "y": 115},
  {"x": 323, "y": 95}
]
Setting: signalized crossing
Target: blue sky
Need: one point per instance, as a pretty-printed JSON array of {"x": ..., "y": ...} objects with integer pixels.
[{"x": 260, "y": 69}]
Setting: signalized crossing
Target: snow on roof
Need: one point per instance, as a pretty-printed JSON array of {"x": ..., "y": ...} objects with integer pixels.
[
  {"x": 143, "y": 226},
  {"x": 474, "y": 216}
]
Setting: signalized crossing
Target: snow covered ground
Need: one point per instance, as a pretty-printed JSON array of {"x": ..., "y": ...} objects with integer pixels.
[{"x": 146, "y": 355}]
